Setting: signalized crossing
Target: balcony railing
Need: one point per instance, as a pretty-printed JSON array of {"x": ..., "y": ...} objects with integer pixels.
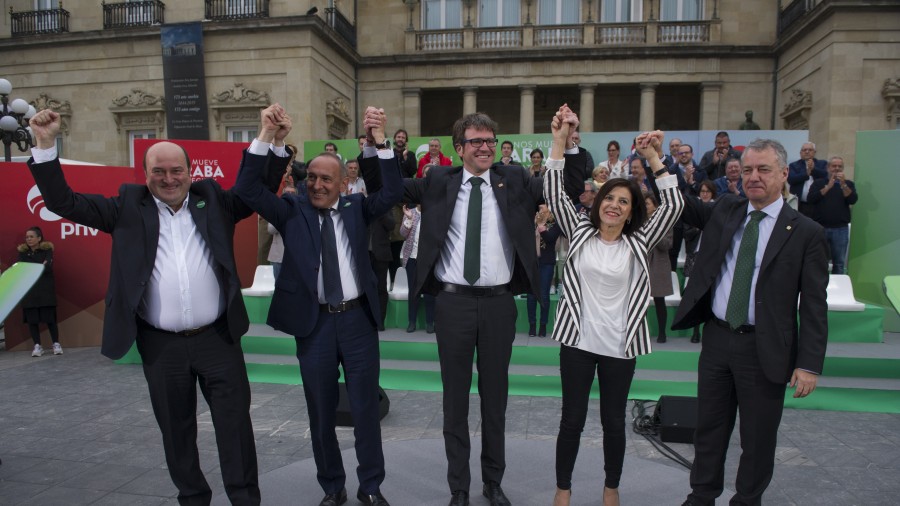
[
  {"x": 683, "y": 32},
  {"x": 498, "y": 38},
  {"x": 226, "y": 10},
  {"x": 558, "y": 36},
  {"x": 439, "y": 40},
  {"x": 793, "y": 12},
  {"x": 122, "y": 15},
  {"x": 621, "y": 34},
  {"x": 341, "y": 25},
  {"x": 39, "y": 22}
]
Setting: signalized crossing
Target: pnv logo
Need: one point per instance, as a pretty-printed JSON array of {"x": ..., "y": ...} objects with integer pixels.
[{"x": 36, "y": 205}]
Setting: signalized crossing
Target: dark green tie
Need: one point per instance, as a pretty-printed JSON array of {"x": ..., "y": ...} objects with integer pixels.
[
  {"x": 739, "y": 300},
  {"x": 472, "y": 258}
]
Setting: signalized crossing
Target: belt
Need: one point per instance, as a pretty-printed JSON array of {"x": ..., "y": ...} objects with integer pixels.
[
  {"x": 743, "y": 329},
  {"x": 182, "y": 333},
  {"x": 347, "y": 305},
  {"x": 475, "y": 291}
]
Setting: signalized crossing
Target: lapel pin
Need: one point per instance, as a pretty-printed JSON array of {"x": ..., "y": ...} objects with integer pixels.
[
  {"x": 201, "y": 204},
  {"x": 346, "y": 204},
  {"x": 788, "y": 227},
  {"x": 499, "y": 185}
]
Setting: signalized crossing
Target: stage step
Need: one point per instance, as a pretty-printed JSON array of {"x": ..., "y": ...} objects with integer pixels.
[{"x": 857, "y": 376}]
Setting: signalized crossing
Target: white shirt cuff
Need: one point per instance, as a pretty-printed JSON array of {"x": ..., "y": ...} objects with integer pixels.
[
  {"x": 666, "y": 182},
  {"x": 572, "y": 151},
  {"x": 258, "y": 147},
  {"x": 43, "y": 155},
  {"x": 385, "y": 154},
  {"x": 555, "y": 164},
  {"x": 370, "y": 151}
]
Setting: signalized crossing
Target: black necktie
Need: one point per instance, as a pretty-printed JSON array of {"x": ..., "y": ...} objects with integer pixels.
[
  {"x": 472, "y": 252},
  {"x": 331, "y": 271}
]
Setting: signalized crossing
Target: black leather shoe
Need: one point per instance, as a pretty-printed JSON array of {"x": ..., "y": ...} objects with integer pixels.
[
  {"x": 495, "y": 494},
  {"x": 334, "y": 499},
  {"x": 542, "y": 331},
  {"x": 532, "y": 330},
  {"x": 429, "y": 328},
  {"x": 411, "y": 328},
  {"x": 695, "y": 337},
  {"x": 375, "y": 499},
  {"x": 459, "y": 498}
]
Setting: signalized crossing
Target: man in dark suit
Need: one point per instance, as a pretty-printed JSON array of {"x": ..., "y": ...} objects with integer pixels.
[
  {"x": 746, "y": 292},
  {"x": 327, "y": 299},
  {"x": 474, "y": 267},
  {"x": 380, "y": 256},
  {"x": 803, "y": 173},
  {"x": 174, "y": 289}
]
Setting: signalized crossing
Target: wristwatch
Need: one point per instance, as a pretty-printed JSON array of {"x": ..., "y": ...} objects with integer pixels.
[
  {"x": 661, "y": 172},
  {"x": 384, "y": 145}
]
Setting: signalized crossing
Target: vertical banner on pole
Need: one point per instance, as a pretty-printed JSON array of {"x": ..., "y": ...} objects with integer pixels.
[{"x": 185, "y": 81}]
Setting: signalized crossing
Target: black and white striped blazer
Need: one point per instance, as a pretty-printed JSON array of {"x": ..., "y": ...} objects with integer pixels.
[{"x": 578, "y": 228}]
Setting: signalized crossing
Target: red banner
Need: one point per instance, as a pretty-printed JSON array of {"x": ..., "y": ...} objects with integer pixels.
[{"x": 82, "y": 254}]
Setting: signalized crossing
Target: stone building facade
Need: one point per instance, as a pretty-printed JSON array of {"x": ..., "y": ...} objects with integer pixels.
[{"x": 828, "y": 66}]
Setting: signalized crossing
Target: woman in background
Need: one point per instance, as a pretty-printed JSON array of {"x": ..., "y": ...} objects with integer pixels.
[
  {"x": 537, "y": 162},
  {"x": 39, "y": 304},
  {"x": 660, "y": 272}
]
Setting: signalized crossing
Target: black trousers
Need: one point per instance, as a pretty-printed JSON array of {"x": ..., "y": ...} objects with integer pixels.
[
  {"x": 381, "y": 273},
  {"x": 577, "y": 369},
  {"x": 465, "y": 324},
  {"x": 173, "y": 366},
  {"x": 730, "y": 379}
]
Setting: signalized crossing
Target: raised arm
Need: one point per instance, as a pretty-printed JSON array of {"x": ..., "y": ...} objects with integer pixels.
[
  {"x": 381, "y": 200},
  {"x": 562, "y": 125},
  {"x": 671, "y": 201}
]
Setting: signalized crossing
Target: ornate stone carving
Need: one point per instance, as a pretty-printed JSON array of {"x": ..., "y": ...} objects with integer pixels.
[
  {"x": 238, "y": 106},
  {"x": 891, "y": 93},
  {"x": 797, "y": 110},
  {"x": 64, "y": 108},
  {"x": 241, "y": 95},
  {"x": 139, "y": 98},
  {"x": 139, "y": 109},
  {"x": 337, "y": 116}
]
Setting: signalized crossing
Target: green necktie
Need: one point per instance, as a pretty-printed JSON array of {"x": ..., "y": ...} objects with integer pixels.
[
  {"x": 739, "y": 300},
  {"x": 472, "y": 258}
]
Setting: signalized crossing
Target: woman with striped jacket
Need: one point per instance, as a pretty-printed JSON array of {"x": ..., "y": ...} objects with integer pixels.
[{"x": 600, "y": 316}]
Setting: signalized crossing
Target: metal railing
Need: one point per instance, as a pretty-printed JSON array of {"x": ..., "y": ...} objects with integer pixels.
[
  {"x": 683, "y": 32},
  {"x": 341, "y": 25},
  {"x": 620, "y": 34},
  {"x": 558, "y": 36},
  {"x": 439, "y": 40},
  {"x": 498, "y": 38},
  {"x": 122, "y": 15},
  {"x": 225, "y": 10},
  {"x": 39, "y": 22},
  {"x": 793, "y": 12}
]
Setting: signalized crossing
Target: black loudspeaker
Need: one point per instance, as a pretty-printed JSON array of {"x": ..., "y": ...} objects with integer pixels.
[
  {"x": 345, "y": 419},
  {"x": 677, "y": 418}
]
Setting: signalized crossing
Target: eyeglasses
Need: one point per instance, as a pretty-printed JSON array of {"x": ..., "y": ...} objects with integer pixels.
[
  {"x": 682, "y": 153},
  {"x": 704, "y": 190},
  {"x": 477, "y": 143}
]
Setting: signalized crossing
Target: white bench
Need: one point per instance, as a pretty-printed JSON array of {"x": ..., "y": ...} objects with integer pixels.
[
  {"x": 401, "y": 285},
  {"x": 840, "y": 294},
  {"x": 263, "y": 282}
]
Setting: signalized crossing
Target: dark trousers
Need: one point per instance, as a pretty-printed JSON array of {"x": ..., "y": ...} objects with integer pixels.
[
  {"x": 413, "y": 302},
  {"x": 577, "y": 369},
  {"x": 546, "y": 273},
  {"x": 677, "y": 238},
  {"x": 730, "y": 379},
  {"x": 173, "y": 366},
  {"x": 465, "y": 324},
  {"x": 347, "y": 340},
  {"x": 381, "y": 272}
]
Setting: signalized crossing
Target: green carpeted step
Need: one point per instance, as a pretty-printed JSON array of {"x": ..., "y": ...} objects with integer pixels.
[{"x": 824, "y": 398}]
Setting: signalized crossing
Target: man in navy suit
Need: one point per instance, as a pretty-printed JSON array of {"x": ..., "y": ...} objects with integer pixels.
[
  {"x": 803, "y": 173},
  {"x": 746, "y": 292},
  {"x": 326, "y": 297},
  {"x": 174, "y": 290}
]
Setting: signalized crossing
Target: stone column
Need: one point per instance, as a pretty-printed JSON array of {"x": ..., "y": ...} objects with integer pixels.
[
  {"x": 526, "y": 108},
  {"x": 586, "y": 114},
  {"x": 709, "y": 105},
  {"x": 648, "y": 107},
  {"x": 470, "y": 99},
  {"x": 412, "y": 111}
]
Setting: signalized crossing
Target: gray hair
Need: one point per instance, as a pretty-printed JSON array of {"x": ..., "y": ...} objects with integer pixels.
[
  {"x": 833, "y": 158},
  {"x": 326, "y": 154},
  {"x": 764, "y": 144},
  {"x": 594, "y": 187}
]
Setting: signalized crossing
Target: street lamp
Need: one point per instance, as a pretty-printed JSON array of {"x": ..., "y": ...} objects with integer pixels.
[{"x": 14, "y": 121}]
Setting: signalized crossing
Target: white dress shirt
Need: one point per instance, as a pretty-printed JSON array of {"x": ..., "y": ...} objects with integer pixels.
[
  {"x": 349, "y": 275},
  {"x": 496, "y": 248},
  {"x": 722, "y": 290}
]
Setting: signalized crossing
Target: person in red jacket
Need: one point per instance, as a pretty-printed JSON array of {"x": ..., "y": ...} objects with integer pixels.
[{"x": 434, "y": 156}]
